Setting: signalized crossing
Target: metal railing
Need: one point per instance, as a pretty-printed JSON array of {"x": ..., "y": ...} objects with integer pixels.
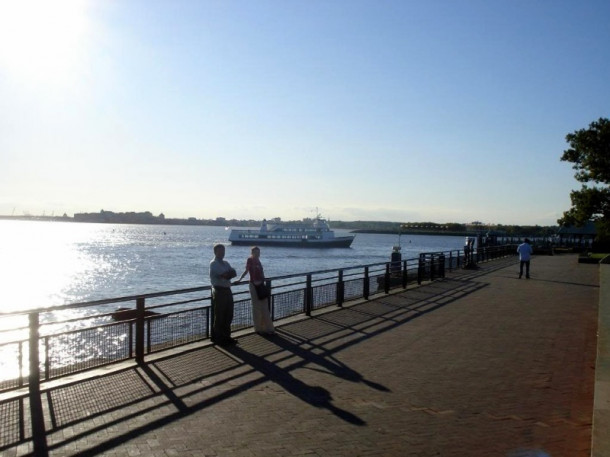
[{"x": 44, "y": 344}]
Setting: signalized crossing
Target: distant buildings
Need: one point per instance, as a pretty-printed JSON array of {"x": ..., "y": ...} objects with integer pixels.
[{"x": 580, "y": 236}]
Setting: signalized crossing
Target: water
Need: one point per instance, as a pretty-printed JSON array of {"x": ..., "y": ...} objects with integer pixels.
[{"x": 45, "y": 264}]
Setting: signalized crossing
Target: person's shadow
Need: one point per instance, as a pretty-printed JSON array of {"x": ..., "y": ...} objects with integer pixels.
[
  {"x": 326, "y": 363},
  {"x": 316, "y": 396}
]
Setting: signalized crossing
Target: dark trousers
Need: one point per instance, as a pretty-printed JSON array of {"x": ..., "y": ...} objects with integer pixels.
[
  {"x": 527, "y": 268},
  {"x": 222, "y": 306}
]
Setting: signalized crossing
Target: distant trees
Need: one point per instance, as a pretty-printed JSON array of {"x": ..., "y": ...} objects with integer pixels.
[
  {"x": 432, "y": 228},
  {"x": 146, "y": 217},
  {"x": 590, "y": 154},
  {"x": 110, "y": 217}
]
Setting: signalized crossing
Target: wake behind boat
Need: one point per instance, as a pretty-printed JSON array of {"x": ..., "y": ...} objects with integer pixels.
[{"x": 314, "y": 234}]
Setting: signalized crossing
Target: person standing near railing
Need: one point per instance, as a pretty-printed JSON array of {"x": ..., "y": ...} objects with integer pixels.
[
  {"x": 221, "y": 274},
  {"x": 263, "y": 325}
]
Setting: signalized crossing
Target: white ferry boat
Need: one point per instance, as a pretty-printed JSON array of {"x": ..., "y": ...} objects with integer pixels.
[{"x": 315, "y": 234}]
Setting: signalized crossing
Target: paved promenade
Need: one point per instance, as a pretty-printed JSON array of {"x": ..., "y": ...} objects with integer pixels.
[{"x": 478, "y": 364}]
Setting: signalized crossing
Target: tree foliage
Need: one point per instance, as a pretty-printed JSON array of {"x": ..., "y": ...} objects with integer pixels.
[{"x": 589, "y": 153}]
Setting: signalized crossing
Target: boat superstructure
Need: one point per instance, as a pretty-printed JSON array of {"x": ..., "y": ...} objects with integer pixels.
[{"x": 314, "y": 233}]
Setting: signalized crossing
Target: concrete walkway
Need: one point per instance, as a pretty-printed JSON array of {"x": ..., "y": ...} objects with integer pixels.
[{"x": 478, "y": 364}]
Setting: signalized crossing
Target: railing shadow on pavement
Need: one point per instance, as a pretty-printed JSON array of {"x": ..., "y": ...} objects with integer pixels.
[
  {"x": 108, "y": 401},
  {"x": 578, "y": 284}
]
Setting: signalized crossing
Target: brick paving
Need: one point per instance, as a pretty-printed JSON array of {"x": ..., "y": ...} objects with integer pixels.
[{"x": 478, "y": 364}]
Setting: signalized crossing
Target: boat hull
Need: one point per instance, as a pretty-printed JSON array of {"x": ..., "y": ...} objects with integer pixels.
[{"x": 340, "y": 242}]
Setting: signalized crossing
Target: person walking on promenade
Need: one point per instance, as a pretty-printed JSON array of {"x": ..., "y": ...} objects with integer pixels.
[
  {"x": 263, "y": 325},
  {"x": 525, "y": 254},
  {"x": 221, "y": 274}
]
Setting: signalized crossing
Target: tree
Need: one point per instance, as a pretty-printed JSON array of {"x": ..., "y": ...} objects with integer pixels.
[{"x": 590, "y": 153}]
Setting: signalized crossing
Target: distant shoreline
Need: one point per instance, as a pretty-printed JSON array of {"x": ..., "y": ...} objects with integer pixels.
[
  {"x": 414, "y": 232},
  {"x": 213, "y": 223},
  {"x": 135, "y": 221},
  {"x": 370, "y": 227}
]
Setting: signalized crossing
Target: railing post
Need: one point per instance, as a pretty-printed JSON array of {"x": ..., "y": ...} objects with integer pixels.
[
  {"x": 140, "y": 305},
  {"x": 441, "y": 259},
  {"x": 211, "y": 316},
  {"x": 405, "y": 277},
  {"x": 366, "y": 285},
  {"x": 47, "y": 359},
  {"x": 269, "y": 298},
  {"x": 432, "y": 266},
  {"x": 131, "y": 340},
  {"x": 420, "y": 268},
  {"x": 386, "y": 279},
  {"x": 340, "y": 289},
  {"x": 308, "y": 296},
  {"x": 450, "y": 260},
  {"x": 147, "y": 324},
  {"x": 20, "y": 361},
  {"x": 39, "y": 434}
]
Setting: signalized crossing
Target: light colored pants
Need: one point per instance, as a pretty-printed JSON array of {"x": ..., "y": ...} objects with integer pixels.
[{"x": 261, "y": 318}]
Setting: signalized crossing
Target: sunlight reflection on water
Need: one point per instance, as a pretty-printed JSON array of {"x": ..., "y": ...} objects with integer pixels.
[{"x": 41, "y": 260}]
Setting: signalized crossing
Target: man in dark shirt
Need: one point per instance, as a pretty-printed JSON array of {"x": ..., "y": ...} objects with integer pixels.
[{"x": 221, "y": 274}]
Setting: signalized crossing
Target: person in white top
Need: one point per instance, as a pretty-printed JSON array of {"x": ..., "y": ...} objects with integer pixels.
[{"x": 525, "y": 254}]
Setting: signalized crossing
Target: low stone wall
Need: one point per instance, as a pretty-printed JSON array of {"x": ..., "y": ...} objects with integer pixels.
[{"x": 600, "y": 446}]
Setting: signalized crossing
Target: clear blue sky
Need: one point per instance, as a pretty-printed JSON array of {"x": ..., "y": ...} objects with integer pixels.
[{"x": 397, "y": 110}]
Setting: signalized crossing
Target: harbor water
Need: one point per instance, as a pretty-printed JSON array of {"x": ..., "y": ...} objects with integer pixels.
[{"x": 46, "y": 264}]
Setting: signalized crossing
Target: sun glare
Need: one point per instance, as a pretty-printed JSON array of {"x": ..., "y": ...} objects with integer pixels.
[{"x": 42, "y": 40}]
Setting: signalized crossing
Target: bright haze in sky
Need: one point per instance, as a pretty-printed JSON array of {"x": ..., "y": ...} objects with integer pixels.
[{"x": 396, "y": 110}]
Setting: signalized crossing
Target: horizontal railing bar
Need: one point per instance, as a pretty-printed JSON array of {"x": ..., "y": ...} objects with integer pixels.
[
  {"x": 183, "y": 302},
  {"x": 13, "y": 329},
  {"x": 107, "y": 301},
  {"x": 188, "y": 290},
  {"x": 79, "y": 330},
  {"x": 171, "y": 313}
]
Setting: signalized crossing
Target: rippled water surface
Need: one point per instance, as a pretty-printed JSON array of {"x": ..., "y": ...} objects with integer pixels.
[{"x": 53, "y": 263}]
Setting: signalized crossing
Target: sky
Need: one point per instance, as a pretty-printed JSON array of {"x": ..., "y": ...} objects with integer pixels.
[{"x": 377, "y": 110}]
